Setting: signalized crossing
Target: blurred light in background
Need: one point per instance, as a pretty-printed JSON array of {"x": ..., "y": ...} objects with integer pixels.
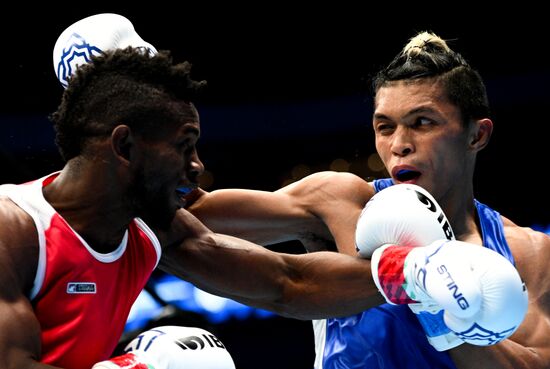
[
  {"x": 375, "y": 163},
  {"x": 542, "y": 228},
  {"x": 339, "y": 165},
  {"x": 185, "y": 296},
  {"x": 300, "y": 171},
  {"x": 206, "y": 180}
]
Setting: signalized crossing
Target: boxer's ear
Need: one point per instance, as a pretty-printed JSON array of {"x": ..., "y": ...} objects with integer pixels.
[
  {"x": 122, "y": 141},
  {"x": 480, "y": 133}
]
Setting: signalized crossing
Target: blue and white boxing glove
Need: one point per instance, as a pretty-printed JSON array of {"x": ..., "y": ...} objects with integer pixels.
[
  {"x": 482, "y": 295},
  {"x": 408, "y": 215},
  {"x": 92, "y": 36},
  {"x": 172, "y": 347}
]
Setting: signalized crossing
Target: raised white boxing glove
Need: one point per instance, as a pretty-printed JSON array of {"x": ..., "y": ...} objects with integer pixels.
[
  {"x": 92, "y": 36},
  {"x": 482, "y": 295},
  {"x": 172, "y": 347},
  {"x": 408, "y": 215}
]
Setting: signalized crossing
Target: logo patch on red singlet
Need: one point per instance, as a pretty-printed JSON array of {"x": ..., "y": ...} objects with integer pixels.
[{"x": 81, "y": 287}]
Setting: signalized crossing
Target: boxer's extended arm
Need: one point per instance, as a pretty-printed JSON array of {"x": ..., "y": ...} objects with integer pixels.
[
  {"x": 528, "y": 347},
  {"x": 259, "y": 216},
  {"x": 20, "y": 330},
  {"x": 321, "y": 206},
  {"x": 307, "y": 286}
]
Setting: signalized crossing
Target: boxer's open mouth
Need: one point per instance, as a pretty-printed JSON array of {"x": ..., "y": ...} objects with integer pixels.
[{"x": 405, "y": 175}]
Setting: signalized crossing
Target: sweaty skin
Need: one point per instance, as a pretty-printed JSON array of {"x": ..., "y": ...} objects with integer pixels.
[
  {"x": 99, "y": 195},
  {"x": 122, "y": 175},
  {"x": 418, "y": 129}
]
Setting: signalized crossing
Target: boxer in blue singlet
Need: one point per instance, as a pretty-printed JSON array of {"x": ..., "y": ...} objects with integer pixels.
[
  {"x": 431, "y": 118},
  {"x": 361, "y": 341}
]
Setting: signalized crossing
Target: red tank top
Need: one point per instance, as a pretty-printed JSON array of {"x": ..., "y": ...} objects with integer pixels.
[{"x": 82, "y": 298}]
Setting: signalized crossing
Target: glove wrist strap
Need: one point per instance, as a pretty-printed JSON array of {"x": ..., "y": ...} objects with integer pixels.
[
  {"x": 388, "y": 264},
  {"x": 126, "y": 361}
]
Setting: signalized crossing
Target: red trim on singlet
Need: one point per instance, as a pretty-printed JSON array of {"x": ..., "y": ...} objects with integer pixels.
[
  {"x": 82, "y": 298},
  {"x": 49, "y": 179},
  {"x": 84, "y": 303}
]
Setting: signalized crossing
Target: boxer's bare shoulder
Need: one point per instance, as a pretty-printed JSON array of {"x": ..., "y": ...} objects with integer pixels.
[
  {"x": 531, "y": 250},
  {"x": 18, "y": 243}
]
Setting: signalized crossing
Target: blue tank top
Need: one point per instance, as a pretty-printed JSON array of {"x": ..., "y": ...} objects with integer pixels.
[{"x": 390, "y": 336}]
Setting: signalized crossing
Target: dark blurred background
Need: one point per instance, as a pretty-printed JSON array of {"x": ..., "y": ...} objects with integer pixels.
[{"x": 289, "y": 95}]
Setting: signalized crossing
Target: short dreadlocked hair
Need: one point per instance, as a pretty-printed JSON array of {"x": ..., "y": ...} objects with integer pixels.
[
  {"x": 121, "y": 87},
  {"x": 428, "y": 56}
]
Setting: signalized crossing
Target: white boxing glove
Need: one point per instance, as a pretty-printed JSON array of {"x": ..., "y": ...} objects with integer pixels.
[
  {"x": 92, "y": 36},
  {"x": 408, "y": 215},
  {"x": 480, "y": 291},
  {"x": 172, "y": 347},
  {"x": 402, "y": 214}
]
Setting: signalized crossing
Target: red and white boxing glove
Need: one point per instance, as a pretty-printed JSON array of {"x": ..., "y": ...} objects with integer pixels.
[
  {"x": 92, "y": 36},
  {"x": 480, "y": 291},
  {"x": 126, "y": 361},
  {"x": 172, "y": 347},
  {"x": 408, "y": 215}
]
